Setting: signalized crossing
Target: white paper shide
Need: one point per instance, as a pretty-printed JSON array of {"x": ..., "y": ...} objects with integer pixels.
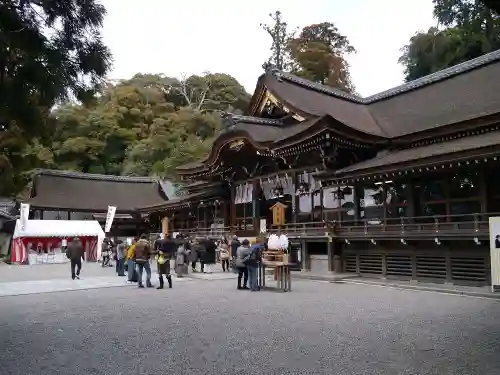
[
  {"x": 276, "y": 242},
  {"x": 109, "y": 218}
]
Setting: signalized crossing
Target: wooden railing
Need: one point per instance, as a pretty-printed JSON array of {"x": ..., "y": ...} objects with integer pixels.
[
  {"x": 440, "y": 226},
  {"x": 308, "y": 229},
  {"x": 469, "y": 225}
]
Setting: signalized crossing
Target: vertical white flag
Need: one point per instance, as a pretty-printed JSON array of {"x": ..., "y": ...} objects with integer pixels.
[
  {"x": 24, "y": 214},
  {"x": 109, "y": 218}
]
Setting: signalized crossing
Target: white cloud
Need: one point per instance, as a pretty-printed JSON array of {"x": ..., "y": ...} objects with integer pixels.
[{"x": 192, "y": 36}]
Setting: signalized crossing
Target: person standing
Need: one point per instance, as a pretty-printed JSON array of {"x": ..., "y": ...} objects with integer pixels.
[
  {"x": 224, "y": 255},
  {"x": 209, "y": 258},
  {"x": 131, "y": 271},
  {"x": 105, "y": 252},
  {"x": 75, "y": 254},
  {"x": 181, "y": 260},
  {"x": 120, "y": 258},
  {"x": 243, "y": 251},
  {"x": 201, "y": 250},
  {"x": 166, "y": 247},
  {"x": 142, "y": 255},
  {"x": 252, "y": 262},
  {"x": 194, "y": 254},
  {"x": 235, "y": 244}
]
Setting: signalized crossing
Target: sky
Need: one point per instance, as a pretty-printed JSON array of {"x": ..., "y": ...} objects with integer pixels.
[{"x": 194, "y": 36}]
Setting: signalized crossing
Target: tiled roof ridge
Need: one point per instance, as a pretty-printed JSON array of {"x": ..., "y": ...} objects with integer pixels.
[
  {"x": 413, "y": 85},
  {"x": 94, "y": 176},
  {"x": 231, "y": 119}
]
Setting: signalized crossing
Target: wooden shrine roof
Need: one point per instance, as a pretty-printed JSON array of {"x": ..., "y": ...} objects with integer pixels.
[
  {"x": 93, "y": 192},
  {"x": 416, "y": 157},
  {"x": 178, "y": 202},
  {"x": 462, "y": 92},
  {"x": 420, "y": 108}
]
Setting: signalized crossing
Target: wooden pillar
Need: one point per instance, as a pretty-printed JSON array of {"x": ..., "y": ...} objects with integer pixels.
[
  {"x": 164, "y": 225},
  {"x": 483, "y": 191},
  {"x": 256, "y": 205},
  {"x": 357, "y": 207},
  {"x": 232, "y": 211},
  {"x": 305, "y": 256},
  {"x": 295, "y": 197},
  {"x": 331, "y": 252},
  {"x": 411, "y": 199}
]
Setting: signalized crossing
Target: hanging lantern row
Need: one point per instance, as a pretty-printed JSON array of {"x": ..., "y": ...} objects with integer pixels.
[
  {"x": 389, "y": 176},
  {"x": 278, "y": 192},
  {"x": 340, "y": 193}
]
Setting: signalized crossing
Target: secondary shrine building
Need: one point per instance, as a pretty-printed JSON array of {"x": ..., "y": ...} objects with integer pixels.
[
  {"x": 62, "y": 195},
  {"x": 399, "y": 184}
]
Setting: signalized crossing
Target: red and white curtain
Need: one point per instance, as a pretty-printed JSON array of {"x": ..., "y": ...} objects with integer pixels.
[
  {"x": 20, "y": 247},
  {"x": 19, "y": 253}
]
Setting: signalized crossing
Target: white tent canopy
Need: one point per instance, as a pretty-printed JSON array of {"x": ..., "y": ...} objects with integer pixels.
[{"x": 59, "y": 228}]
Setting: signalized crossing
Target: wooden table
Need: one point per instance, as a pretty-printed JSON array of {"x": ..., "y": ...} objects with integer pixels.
[{"x": 282, "y": 273}]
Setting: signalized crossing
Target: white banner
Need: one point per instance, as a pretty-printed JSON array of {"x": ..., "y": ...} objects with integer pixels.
[
  {"x": 24, "y": 214},
  {"x": 109, "y": 218},
  {"x": 495, "y": 253}
]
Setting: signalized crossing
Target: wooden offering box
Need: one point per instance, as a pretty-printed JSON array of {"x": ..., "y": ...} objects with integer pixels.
[{"x": 274, "y": 258}]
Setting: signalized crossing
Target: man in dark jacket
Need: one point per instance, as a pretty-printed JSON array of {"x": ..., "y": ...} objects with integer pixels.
[
  {"x": 166, "y": 248},
  {"x": 75, "y": 254},
  {"x": 209, "y": 256},
  {"x": 141, "y": 258},
  {"x": 235, "y": 244}
]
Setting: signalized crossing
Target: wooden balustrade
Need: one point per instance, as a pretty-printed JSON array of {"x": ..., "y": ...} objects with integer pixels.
[{"x": 457, "y": 226}]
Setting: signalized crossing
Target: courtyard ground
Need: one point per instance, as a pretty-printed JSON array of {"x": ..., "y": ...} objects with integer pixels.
[{"x": 208, "y": 327}]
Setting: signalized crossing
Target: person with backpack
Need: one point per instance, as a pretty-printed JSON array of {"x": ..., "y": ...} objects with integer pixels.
[
  {"x": 252, "y": 261},
  {"x": 142, "y": 255}
]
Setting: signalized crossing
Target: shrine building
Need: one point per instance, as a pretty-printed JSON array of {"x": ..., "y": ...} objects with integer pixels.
[{"x": 399, "y": 184}]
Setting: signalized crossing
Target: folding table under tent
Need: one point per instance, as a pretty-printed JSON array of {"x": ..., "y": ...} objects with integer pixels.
[{"x": 50, "y": 234}]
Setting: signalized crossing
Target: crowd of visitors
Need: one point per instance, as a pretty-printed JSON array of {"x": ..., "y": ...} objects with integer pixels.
[{"x": 236, "y": 256}]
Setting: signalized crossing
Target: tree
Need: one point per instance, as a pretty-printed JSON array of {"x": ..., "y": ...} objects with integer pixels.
[
  {"x": 430, "y": 52},
  {"x": 318, "y": 54},
  {"x": 49, "y": 51},
  {"x": 470, "y": 30},
  {"x": 281, "y": 36},
  {"x": 142, "y": 126}
]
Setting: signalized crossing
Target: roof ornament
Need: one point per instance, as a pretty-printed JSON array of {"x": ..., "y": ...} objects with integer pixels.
[
  {"x": 228, "y": 120},
  {"x": 271, "y": 69}
]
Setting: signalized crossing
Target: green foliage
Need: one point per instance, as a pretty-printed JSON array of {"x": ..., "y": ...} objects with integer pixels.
[
  {"x": 49, "y": 51},
  {"x": 471, "y": 30},
  {"x": 142, "y": 126},
  {"x": 281, "y": 36}
]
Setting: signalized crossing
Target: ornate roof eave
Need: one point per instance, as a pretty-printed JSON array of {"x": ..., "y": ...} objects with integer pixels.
[
  {"x": 476, "y": 125},
  {"x": 212, "y": 163},
  {"x": 356, "y": 133},
  {"x": 210, "y": 199},
  {"x": 93, "y": 176},
  {"x": 419, "y": 166},
  {"x": 257, "y": 96}
]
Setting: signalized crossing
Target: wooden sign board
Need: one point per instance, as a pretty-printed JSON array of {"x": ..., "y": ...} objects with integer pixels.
[{"x": 278, "y": 210}]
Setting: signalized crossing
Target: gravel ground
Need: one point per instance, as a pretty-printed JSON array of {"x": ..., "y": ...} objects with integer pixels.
[{"x": 207, "y": 327}]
